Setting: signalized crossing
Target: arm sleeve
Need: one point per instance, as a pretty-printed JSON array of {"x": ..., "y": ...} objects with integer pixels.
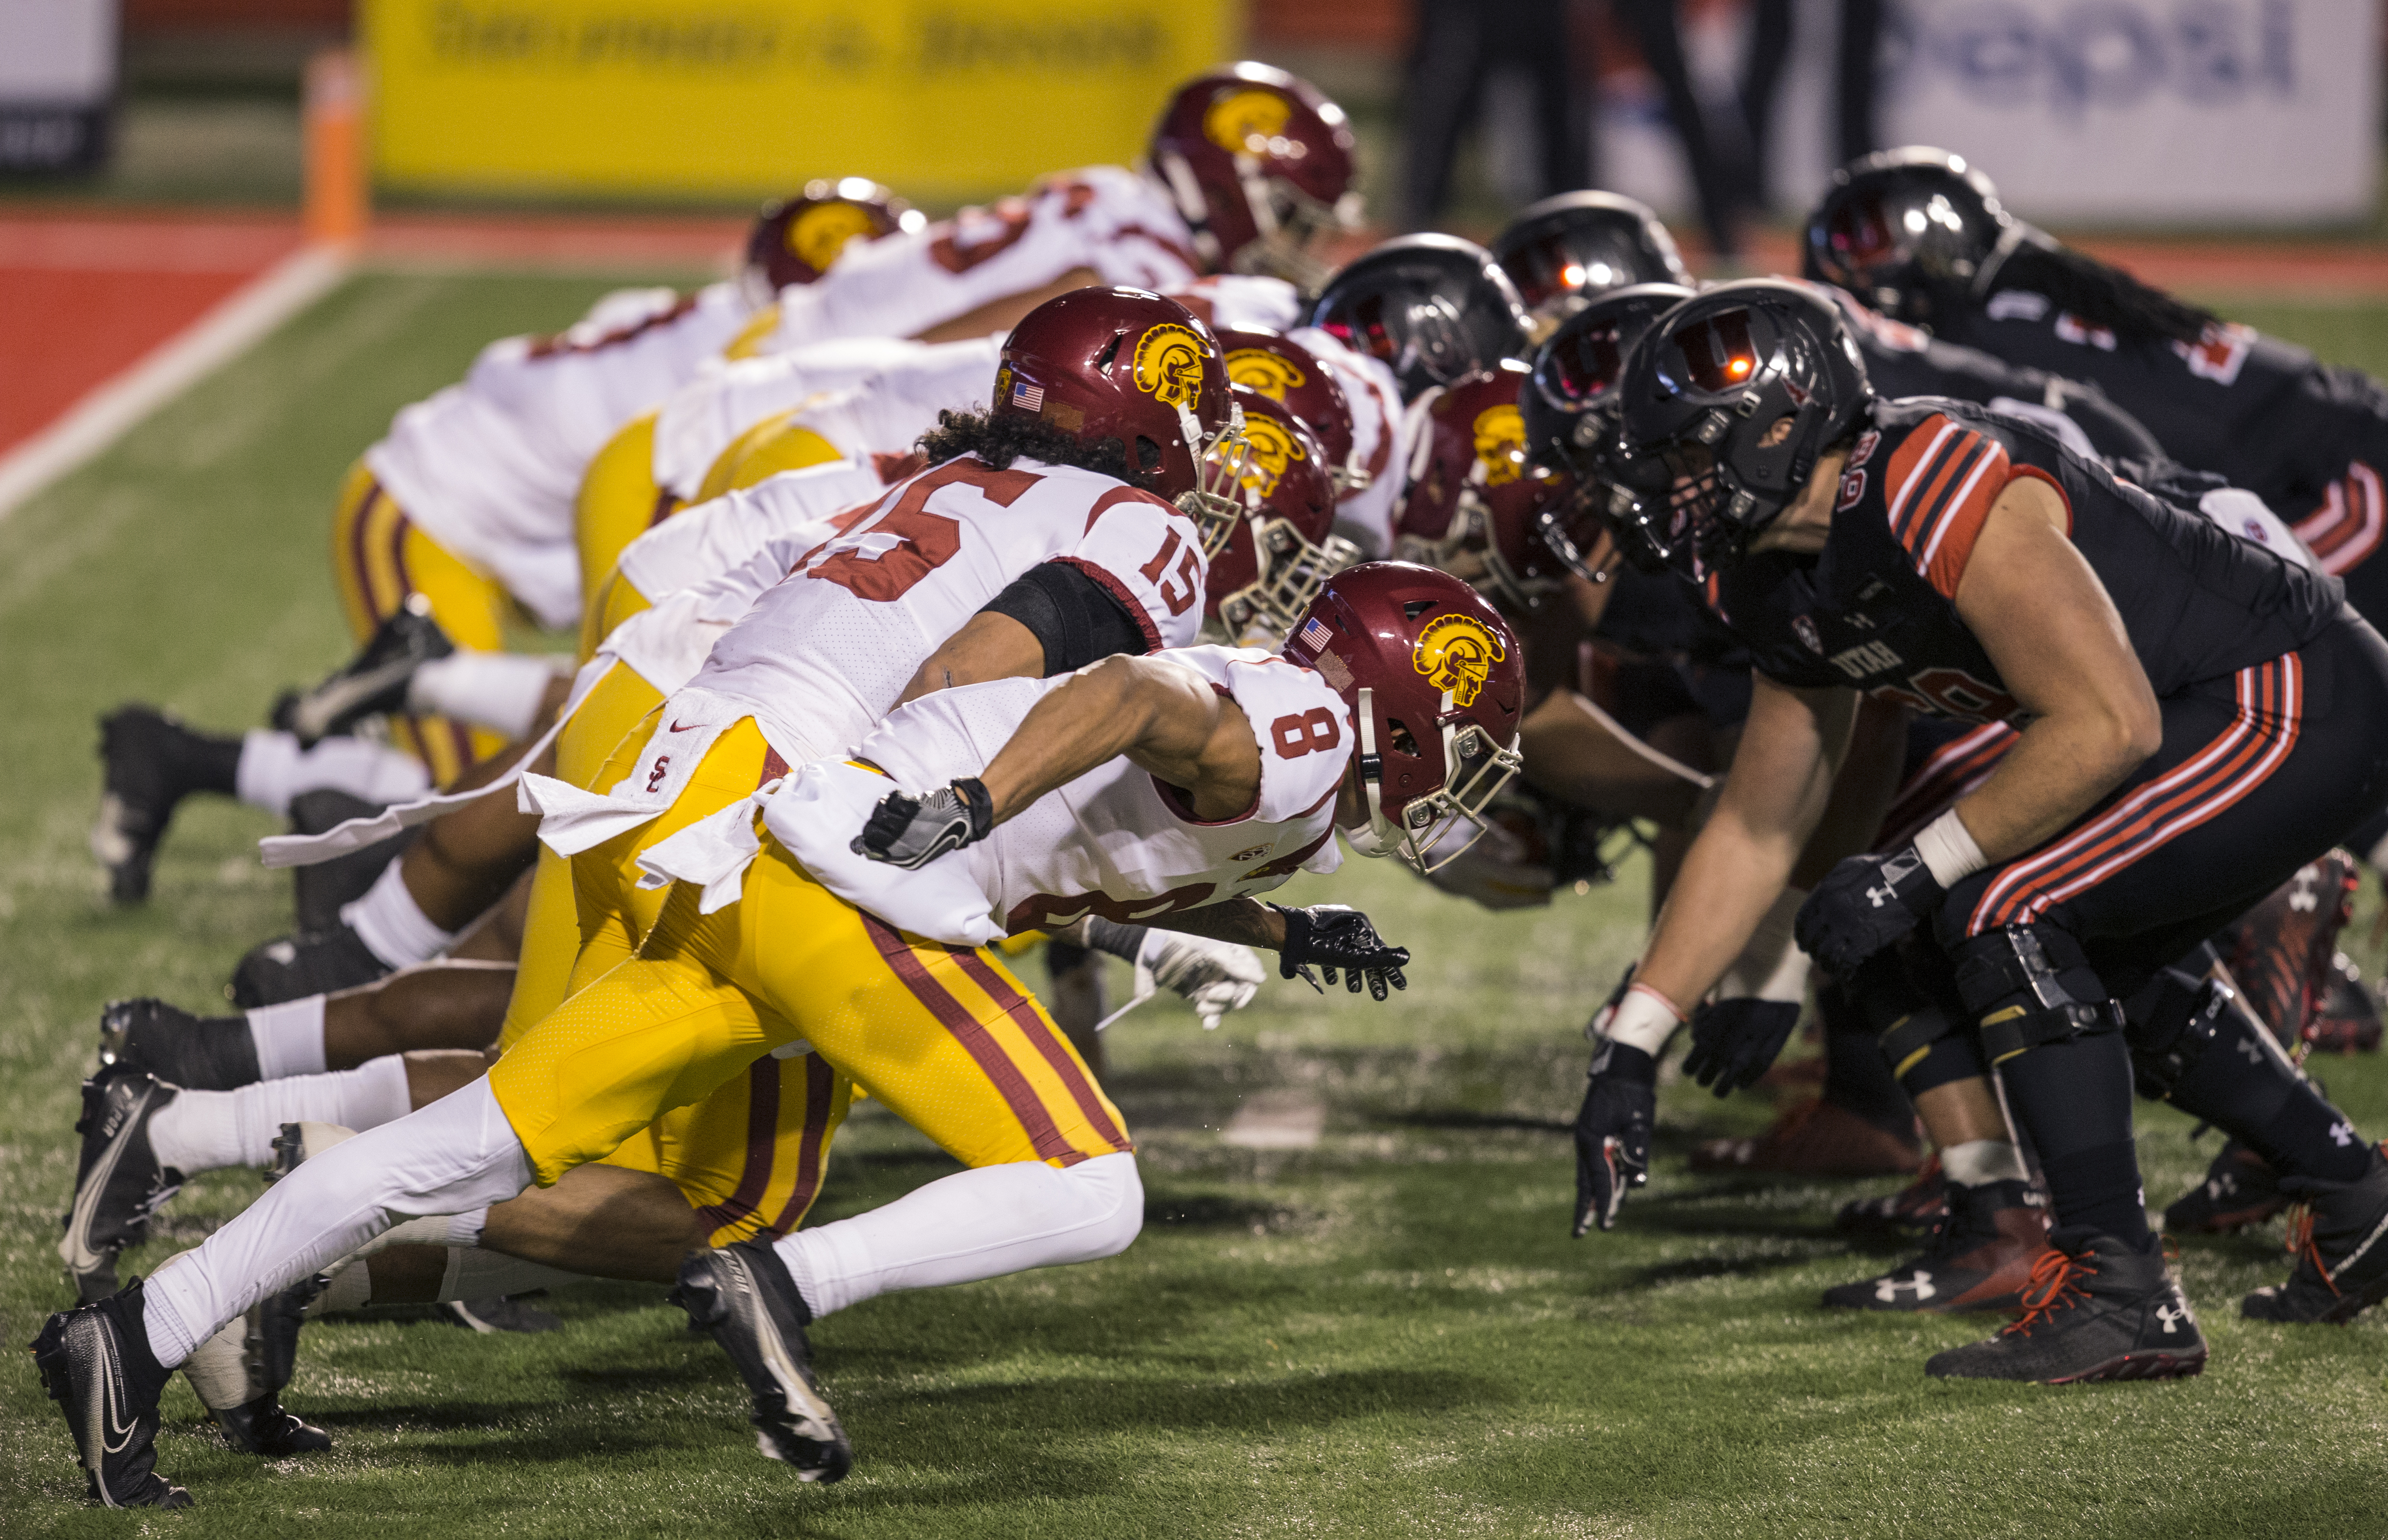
[{"x": 1074, "y": 618}]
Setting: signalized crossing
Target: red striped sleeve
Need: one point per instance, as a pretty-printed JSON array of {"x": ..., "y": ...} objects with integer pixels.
[{"x": 1938, "y": 488}]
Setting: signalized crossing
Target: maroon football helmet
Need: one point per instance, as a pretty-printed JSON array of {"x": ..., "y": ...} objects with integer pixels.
[
  {"x": 796, "y": 239},
  {"x": 1289, "y": 374},
  {"x": 1475, "y": 505},
  {"x": 1127, "y": 365},
  {"x": 1436, "y": 682},
  {"x": 1284, "y": 551},
  {"x": 1260, "y": 165}
]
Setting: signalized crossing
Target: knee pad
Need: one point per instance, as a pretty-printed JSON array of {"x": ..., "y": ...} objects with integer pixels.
[
  {"x": 2169, "y": 1025},
  {"x": 1926, "y": 1049},
  {"x": 2030, "y": 985}
]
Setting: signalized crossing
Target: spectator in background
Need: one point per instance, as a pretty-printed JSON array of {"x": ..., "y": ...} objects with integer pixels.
[
  {"x": 1456, "y": 47},
  {"x": 1856, "y": 47}
]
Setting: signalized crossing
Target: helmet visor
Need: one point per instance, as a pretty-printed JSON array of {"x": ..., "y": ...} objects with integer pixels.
[
  {"x": 1711, "y": 356},
  {"x": 1858, "y": 235},
  {"x": 1576, "y": 371}
]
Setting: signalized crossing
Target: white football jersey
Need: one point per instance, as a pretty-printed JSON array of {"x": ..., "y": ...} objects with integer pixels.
[
  {"x": 720, "y": 534},
  {"x": 1378, "y": 439},
  {"x": 1241, "y": 302},
  {"x": 822, "y": 654},
  {"x": 1107, "y": 219},
  {"x": 703, "y": 417},
  {"x": 489, "y": 467},
  {"x": 1116, "y": 842}
]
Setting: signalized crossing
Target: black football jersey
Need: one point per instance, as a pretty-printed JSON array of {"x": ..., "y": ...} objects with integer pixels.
[
  {"x": 2309, "y": 438},
  {"x": 1903, "y": 360},
  {"x": 1875, "y": 609}
]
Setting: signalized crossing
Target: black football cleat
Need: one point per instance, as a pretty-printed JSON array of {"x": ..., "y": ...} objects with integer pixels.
[
  {"x": 95, "y": 1361},
  {"x": 292, "y": 967},
  {"x": 321, "y": 890},
  {"x": 150, "y": 762},
  {"x": 2340, "y": 1244},
  {"x": 2239, "y": 1189},
  {"x": 1980, "y": 1259},
  {"x": 262, "y": 1428},
  {"x": 2094, "y": 1310},
  {"x": 742, "y": 1294},
  {"x": 2345, "y": 1016},
  {"x": 371, "y": 683},
  {"x": 1914, "y": 1213},
  {"x": 500, "y": 1313},
  {"x": 193, "y": 1052},
  {"x": 119, "y": 1184}
]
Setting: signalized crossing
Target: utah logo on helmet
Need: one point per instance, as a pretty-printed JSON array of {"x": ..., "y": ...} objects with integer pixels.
[
  {"x": 1456, "y": 654},
  {"x": 1169, "y": 365},
  {"x": 1501, "y": 443}
]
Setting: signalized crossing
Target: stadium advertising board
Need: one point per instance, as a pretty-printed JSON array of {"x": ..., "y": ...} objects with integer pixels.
[
  {"x": 753, "y": 96},
  {"x": 57, "y": 80},
  {"x": 2175, "y": 110}
]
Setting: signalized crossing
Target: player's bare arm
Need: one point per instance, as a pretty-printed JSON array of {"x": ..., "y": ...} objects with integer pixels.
[
  {"x": 1165, "y": 718},
  {"x": 2047, "y": 623},
  {"x": 990, "y": 645}
]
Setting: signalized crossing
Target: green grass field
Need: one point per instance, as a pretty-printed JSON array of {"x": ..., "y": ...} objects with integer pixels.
[{"x": 1388, "y": 1334}]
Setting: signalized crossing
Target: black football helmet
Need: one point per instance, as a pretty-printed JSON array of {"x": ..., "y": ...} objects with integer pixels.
[
  {"x": 1725, "y": 407},
  {"x": 1434, "y": 308},
  {"x": 1568, "y": 410},
  {"x": 1912, "y": 231},
  {"x": 1564, "y": 250}
]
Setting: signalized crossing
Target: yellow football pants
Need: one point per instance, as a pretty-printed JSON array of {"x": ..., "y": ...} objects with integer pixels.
[
  {"x": 379, "y": 557},
  {"x": 945, "y": 1036},
  {"x": 618, "y": 502}
]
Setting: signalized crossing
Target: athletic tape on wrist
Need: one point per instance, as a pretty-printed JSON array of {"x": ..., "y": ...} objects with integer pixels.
[
  {"x": 1949, "y": 851},
  {"x": 1644, "y": 1019}
]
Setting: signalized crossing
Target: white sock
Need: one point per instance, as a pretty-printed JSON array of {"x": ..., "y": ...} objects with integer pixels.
[
  {"x": 476, "y": 1273},
  {"x": 273, "y": 769},
  {"x": 206, "y": 1130},
  {"x": 290, "y": 1036},
  {"x": 456, "y": 1154},
  {"x": 1983, "y": 1160},
  {"x": 985, "y": 1223},
  {"x": 392, "y": 924},
  {"x": 501, "y": 691}
]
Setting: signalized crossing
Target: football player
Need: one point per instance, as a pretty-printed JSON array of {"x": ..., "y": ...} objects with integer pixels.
[{"x": 2197, "y": 718}]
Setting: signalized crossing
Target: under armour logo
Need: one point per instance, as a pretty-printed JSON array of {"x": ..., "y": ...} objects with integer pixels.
[
  {"x": 2251, "y": 1048},
  {"x": 1880, "y": 896},
  {"x": 1887, "y": 1290},
  {"x": 2341, "y": 1134},
  {"x": 2301, "y": 897},
  {"x": 2171, "y": 1317}
]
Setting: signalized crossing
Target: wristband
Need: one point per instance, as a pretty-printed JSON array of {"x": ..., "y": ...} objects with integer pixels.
[
  {"x": 1949, "y": 851},
  {"x": 1644, "y": 1019}
]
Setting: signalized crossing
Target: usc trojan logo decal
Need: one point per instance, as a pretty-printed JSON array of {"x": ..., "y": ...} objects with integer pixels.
[
  {"x": 1499, "y": 445},
  {"x": 1272, "y": 449},
  {"x": 1242, "y": 122},
  {"x": 1169, "y": 364},
  {"x": 1258, "y": 369},
  {"x": 819, "y": 233},
  {"x": 1457, "y": 654}
]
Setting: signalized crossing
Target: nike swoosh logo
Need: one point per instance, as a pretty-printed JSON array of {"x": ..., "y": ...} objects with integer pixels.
[
  {"x": 120, "y": 1431},
  {"x": 685, "y": 728},
  {"x": 327, "y": 705},
  {"x": 75, "y": 1249}
]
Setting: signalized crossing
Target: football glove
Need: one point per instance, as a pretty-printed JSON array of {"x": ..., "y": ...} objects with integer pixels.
[
  {"x": 909, "y": 831},
  {"x": 1612, "y": 1133},
  {"x": 1865, "y": 903},
  {"x": 1734, "y": 1042},
  {"x": 1217, "y": 977},
  {"x": 1336, "y": 936}
]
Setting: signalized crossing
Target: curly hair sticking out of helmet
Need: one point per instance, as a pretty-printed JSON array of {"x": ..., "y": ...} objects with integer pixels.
[
  {"x": 1000, "y": 440},
  {"x": 2099, "y": 294}
]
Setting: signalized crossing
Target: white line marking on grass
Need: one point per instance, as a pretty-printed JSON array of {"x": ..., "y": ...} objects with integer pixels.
[
  {"x": 110, "y": 408},
  {"x": 1277, "y": 1120}
]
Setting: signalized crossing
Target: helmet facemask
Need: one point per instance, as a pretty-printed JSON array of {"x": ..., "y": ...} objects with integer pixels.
[
  {"x": 1222, "y": 460},
  {"x": 1437, "y": 827},
  {"x": 1293, "y": 571},
  {"x": 1290, "y": 223}
]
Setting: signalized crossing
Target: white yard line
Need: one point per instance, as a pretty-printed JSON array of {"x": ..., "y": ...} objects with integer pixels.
[
  {"x": 240, "y": 319},
  {"x": 1277, "y": 1120}
]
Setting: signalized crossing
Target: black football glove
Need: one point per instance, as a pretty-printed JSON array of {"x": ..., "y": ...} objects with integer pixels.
[
  {"x": 1336, "y": 936},
  {"x": 909, "y": 831},
  {"x": 1865, "y": 903},
  {"x": 1612, "y": 1133},
  {"x": 1734, "y": 1041}
]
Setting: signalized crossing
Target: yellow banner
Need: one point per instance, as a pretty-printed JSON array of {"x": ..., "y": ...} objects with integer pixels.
[{"x": 941, "y": 101}]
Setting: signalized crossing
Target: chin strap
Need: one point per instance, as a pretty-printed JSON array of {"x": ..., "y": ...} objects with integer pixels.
[{"x": 1372, "y": 774}]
